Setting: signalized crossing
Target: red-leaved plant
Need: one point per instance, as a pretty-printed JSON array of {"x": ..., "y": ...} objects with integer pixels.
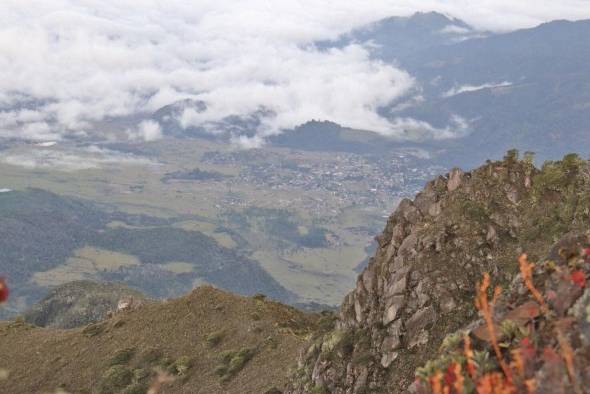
[{"x": 4, "y": 292}]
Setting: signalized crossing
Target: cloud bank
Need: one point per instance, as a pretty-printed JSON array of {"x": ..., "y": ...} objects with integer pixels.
[
  {"x": 69, "y": 159},
  {"x": 66, "y": 66}
]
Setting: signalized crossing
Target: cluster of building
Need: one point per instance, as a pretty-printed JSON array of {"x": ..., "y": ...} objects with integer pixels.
[{"x": 350, "y": 179}]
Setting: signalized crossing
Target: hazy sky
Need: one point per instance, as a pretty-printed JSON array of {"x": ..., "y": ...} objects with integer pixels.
[{"x": 74, "y": 62}]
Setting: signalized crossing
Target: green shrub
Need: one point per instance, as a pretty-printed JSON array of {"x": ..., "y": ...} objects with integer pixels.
[
  {"x": 165, "y": 362},
  {"x": 182, "y": 365},
  {"x": 511, "y": 156},
  {"x": 221, "y": 370},
  {"x": 214, "y": 338},
  {"x": 115, "y": 379},
  {"x": 239, "y": 360},
  {"x": 122, "y": 356},
  {"x": 259, "y": 297},
  {"x": 273, "y": 390},
  {"x": 93, "y": 329},
  {"x": 255, "y": 316},
  {"x": 226, "y": 356},
  {"x": 232, "y": 362},
  {"x": 119, "y": 323},
  {"x": 474, "y": 210},
  {"x": 327, "y": 322},
  {"x": 141, "y": 374},
  {"x": 151, "y": 356},
  {"x": 136, "y": 388},
  {"x": 319, "y": 389}
]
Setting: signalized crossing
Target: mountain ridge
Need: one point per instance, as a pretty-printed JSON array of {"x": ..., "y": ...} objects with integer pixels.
[
  {"x": 419, "y": 286},
  {"x": 207, "y": 341},
  {"x": 80, "y": 303},
  {"x": 417, "y": 289}
]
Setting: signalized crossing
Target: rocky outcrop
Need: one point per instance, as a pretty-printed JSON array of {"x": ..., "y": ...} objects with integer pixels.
[
  {"x": 79, "y": 303},
  {"x": 543, "y": 327},
  {"x": 419, "y": 286}
]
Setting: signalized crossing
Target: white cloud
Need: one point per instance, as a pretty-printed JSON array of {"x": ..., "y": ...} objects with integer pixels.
[
  {"x": 454, "y": 29},
  {"x": 46, "y": 144},
  {"x": 147, "y": 130},
  {"x": 246, "y": 142},
  {"x": 418, "y": 130},
  {"x": 68, "y": 160},
  {"x": 68, "y": 65},
  {"x": 342, "y": 86},
  {"x": 474, "y": 88}
]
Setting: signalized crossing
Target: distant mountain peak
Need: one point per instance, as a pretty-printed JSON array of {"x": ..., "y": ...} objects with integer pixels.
[
  {"x": 433, "y": 18},
  {"x": 398, "y": 36},
  {"x": 432, "y": 22}
]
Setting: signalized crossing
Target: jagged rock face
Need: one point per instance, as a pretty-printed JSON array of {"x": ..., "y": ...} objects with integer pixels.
[
  {"x": 79, "y": 303},
  {"x": 419, "y": 286}
]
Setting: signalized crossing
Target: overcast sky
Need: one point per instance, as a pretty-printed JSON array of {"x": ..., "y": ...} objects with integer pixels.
[{"x": 83, "y": 60}]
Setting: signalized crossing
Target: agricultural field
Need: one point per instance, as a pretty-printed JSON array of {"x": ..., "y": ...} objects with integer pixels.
[{"x": 297, "y": 223}]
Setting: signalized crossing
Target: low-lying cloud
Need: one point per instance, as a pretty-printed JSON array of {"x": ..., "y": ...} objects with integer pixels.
[
  {"x": 474, "y": 88},
  {"x": 147, "y": 130},
  {"x": 418, "y": 130},
  {"x": 66, "y": 66},
  {"x": 70, "y": 159}
]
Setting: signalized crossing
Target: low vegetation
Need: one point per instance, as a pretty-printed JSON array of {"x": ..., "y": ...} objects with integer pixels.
[
  {"x": 538, "y": 346},
  {"x": 174, "y": 344},
  {"x": 215, "y": 338},
  {"x": 231, "y": 362},
  {"x": 122, "y": 356}
]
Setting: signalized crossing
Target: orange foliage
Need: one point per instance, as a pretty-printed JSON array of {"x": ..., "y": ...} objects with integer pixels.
[
  {"x": 568, "y": 356},
  {"x": 522, "y": 357},
  {"x": 468, "y": 353},
  {"x": 530, "y": 385},
  {"x": 495, "y": 383},
  {"x": 517, "y": 363},
  {"x": 436, "y": 383},
  {"x": 452, "y": 381},
  {"x": 459, "y": 379},
  {"x": 526, "y": 269},
  {"x": 486, "y": 309}
]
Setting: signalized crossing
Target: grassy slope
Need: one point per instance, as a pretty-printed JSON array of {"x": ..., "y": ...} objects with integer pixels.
[{"x": 40, "y": 360}]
